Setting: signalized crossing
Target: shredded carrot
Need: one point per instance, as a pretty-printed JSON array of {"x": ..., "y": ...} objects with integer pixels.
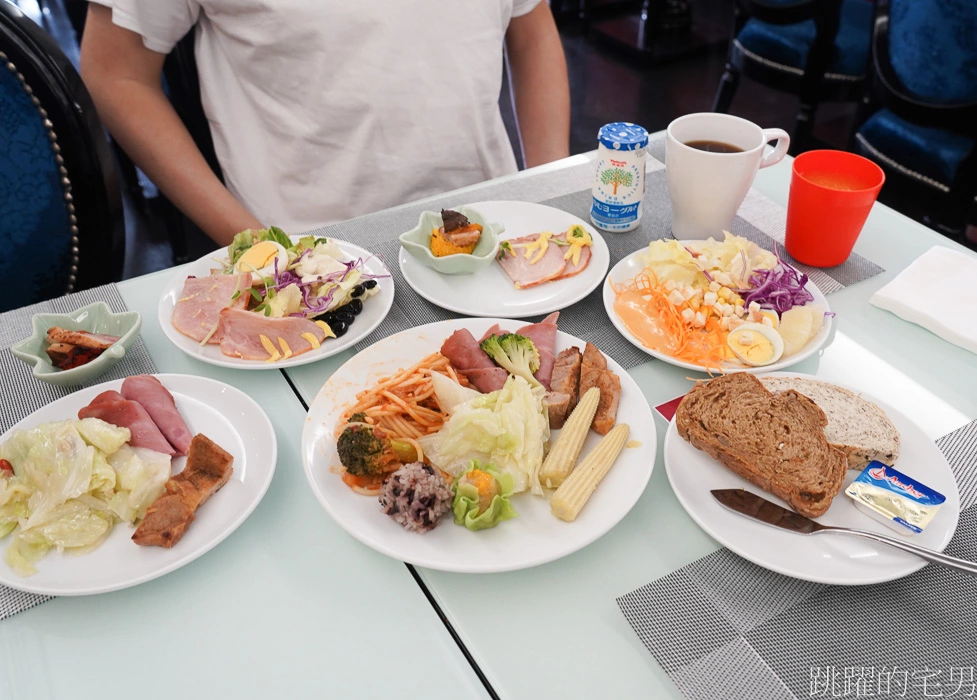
[{"x": 643, "y": 306}]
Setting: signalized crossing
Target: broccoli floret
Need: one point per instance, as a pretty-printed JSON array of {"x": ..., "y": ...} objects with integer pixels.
[
  {"x": 357, "y": 418},
  {"x": 367, "y": 451},
  {"x": 516, "y": 354}
]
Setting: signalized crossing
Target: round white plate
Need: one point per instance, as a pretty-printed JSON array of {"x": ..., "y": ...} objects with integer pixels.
[
  {"x": 227, "y": 416},
  {"x": 535, "y": 537},
  {"x": 825, "y": 558},
  {"x": 628, "y": 268},
  {"x": 374, "y": 311},
  {"x": 490, "y": 292}
]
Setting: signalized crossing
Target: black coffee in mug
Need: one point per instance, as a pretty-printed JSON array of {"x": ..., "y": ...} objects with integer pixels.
[{"x": 714, "y": 146}]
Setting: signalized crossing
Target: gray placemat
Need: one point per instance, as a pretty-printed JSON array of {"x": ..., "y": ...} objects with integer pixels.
[
  {"x": 760, "y": 220},
  {"x": 22, "y": 394},
  {"x": 723, "y": 627}
]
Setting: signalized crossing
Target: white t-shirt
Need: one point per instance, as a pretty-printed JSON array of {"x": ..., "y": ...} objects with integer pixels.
[{"x": 322, "y": 110}]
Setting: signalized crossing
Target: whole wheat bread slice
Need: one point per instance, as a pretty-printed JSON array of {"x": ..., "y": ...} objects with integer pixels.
[
  {"x": 856, "y": 425},
  {"x": 775, "y": 441}
]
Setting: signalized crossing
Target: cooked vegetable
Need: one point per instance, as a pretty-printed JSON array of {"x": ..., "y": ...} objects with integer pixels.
[
  {"x": 367, "y": 451},
  {"x": 574, "y": 493},
  {"x": 481, "y": 497},
  {"x": 450, "y": 394},
  {"x": 514, "y": 353},
  {"x": 508, "y": 428},
  {"x": 563, "y": 456}
]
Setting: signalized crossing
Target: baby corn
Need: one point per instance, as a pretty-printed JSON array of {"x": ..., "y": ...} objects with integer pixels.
[
  {"x": 574, "y": 493},
  {"x": 559, "y": 462}
]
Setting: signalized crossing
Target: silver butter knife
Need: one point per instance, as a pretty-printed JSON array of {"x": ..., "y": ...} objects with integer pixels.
[{"x": 749, "y": 504}]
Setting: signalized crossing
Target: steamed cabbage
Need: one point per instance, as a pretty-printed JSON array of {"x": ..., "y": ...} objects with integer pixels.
[
  {"x": 508, "y": 428},
  {"x": 481, "y": 497},
  {"x": 73, "y": 481}
]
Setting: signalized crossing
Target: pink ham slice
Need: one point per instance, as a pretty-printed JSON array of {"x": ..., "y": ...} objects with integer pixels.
[
  {"x": 470, "y": 360},
  {"x": 580, "y": 266},
  {"x": 240, "y": 334},
  {"x": 198, "y": 309},
  {"x": 525, "y": 274},
  {"x": 147, "y": 391},
  {"x": 494, "y": 330},
  {"x": 131, "y": 415},
  {"x": 543, "y": 335}
]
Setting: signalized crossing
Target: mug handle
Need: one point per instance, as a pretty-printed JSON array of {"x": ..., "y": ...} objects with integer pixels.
[{"x": 779, "y": 151}]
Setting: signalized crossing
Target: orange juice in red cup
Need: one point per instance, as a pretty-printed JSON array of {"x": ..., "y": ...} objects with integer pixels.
[{"x": 831, "y": 194}]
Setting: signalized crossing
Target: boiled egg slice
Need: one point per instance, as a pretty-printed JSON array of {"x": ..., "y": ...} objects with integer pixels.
[
  {"x": 756, "y": 344},
  {"x": 260, "y": 259},
  {"x": 772, "y": 315}
]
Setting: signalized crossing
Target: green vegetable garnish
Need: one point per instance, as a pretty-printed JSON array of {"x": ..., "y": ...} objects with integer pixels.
[
  {"x": 504, "y": 247},
  {"x": 481, "y": 497}
]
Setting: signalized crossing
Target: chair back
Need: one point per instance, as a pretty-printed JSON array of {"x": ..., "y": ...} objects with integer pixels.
[
  {"x": 933, "y": 48},
  {"x": 61, "y": 226}
]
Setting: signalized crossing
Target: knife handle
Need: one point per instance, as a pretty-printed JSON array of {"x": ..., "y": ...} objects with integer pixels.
[{"x": 928, "y": 554}]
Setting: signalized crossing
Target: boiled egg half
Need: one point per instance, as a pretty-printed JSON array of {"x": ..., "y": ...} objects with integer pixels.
[
  {"x": 756, "y": 344},
  {"x": 260, "y": 259}
]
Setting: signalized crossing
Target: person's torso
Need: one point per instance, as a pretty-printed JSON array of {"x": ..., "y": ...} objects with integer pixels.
[{"x": 323, "y": 110}]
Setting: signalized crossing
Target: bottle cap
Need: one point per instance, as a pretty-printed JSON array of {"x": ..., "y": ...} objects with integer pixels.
[{"x": 623, "y": 136}]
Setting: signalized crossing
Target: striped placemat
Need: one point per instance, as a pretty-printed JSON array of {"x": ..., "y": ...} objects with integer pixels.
[
  {"x": 723, "y": 627},
  {"x": 23, "y": 394}
]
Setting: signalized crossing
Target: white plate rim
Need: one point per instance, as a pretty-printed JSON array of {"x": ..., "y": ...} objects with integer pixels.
[
  {"x": 382, "y": 301},
  {"x": 646, "y": 431},
  {"x": 408, "y": 263},
  {"x": 181, "y": 383},
  {"x": 771, "y": 564},
  {"x": 813, "y": 346}
]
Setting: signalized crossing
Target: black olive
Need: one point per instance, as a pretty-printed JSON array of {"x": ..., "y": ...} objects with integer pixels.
[
  {"x": 357, "y": 291},
  {"x": 369, "y": 284},
  {"x": 338, "y": 327},
  {"x": 356, "y": 306},
  {"x": 344, "y": 315}
]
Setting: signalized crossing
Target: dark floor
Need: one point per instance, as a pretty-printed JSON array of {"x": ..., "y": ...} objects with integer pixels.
[{"x": 606, "y": 84}]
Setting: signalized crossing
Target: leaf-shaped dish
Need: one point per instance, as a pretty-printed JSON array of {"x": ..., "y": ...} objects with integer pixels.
[{"x": 417, "y": 242}]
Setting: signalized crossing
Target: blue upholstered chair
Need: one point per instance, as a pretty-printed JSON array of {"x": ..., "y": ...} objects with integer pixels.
[
  {"x": 61, "y": 224},
  {"x": 815, "y": 49},
  {"x": 924, "y": 132}
]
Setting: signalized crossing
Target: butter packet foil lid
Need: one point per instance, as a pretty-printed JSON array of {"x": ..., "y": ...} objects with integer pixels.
[{"x": 894, "y": 498}]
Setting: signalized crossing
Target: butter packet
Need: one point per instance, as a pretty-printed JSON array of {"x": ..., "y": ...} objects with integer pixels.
[{"x": 894, "y": 499}]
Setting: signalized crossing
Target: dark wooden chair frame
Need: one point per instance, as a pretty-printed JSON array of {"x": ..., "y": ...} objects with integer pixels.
[
  {"x": 954, "y": 202},
  {"x": 88, "y": 171},
  {"x": 813, "y": 85}
]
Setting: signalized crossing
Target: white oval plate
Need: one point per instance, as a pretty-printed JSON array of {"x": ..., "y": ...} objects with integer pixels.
[
  {"x": 535, "y": 537},
  {"x": 826, "y": 558},
  {"x": 628, "y": 268},
  {"x": 490, "y": 292},
  {"x": 227, "y": 416},
  {"x": 374, "y": 311}
]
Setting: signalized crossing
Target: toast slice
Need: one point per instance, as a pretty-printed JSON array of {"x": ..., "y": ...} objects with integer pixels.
[
  {"x": 775, "y": 441},
  {"x": 856, "y": 425}
]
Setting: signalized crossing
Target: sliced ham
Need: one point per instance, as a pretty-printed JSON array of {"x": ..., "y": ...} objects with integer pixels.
[
  {"x": 572, "y": 269},
  {"x": 463, "y": 351},
  {"x": 523, "y": 272},
  {"x": 240, "y": 335},
  {"x": 131, "y": 415},
  {"x": 550, "y": 268},
  {"x": 147, "y": 390},
  {"x": 486, "y": 379},
  {"x": 494, "y": 330},
  {"x": 543, "y": 335},
  {"x": 465, "y": 355},
  {"x": 198, "y": 309}
]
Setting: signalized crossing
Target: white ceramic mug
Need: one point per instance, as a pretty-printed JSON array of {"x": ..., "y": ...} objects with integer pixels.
[{"x": 707, "y": 188}]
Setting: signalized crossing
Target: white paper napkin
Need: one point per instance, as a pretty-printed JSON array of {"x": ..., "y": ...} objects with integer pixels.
[{"x": 938, "y": 292}]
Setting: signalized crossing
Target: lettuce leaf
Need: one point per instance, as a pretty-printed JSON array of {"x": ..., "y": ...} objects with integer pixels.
[
  {"x": 508, "y": 428},
  {"x": 482, "y": 497}
]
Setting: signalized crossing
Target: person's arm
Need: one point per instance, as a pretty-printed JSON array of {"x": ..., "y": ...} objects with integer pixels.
[
  {"x": 538, "y": 74},
  {"x": 124, "y": 79}
]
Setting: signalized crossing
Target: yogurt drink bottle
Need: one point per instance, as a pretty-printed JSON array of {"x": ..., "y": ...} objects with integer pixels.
[{"x": 619, "y": 184}]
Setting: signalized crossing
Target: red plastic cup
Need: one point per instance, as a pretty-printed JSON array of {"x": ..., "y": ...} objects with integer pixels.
[{"x": 831, "y": 194}]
